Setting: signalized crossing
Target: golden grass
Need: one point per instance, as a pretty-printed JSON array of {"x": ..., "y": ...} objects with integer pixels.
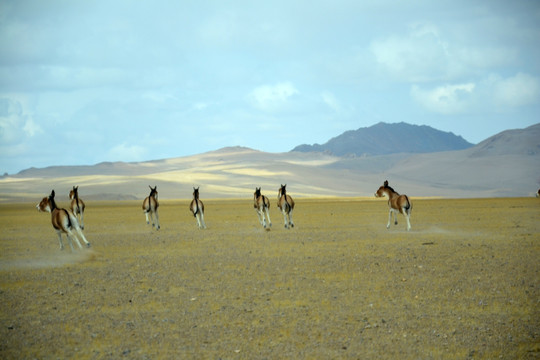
[{"x": 464, "y": 283}]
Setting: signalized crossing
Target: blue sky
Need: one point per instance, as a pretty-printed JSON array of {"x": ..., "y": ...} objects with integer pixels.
[{"x": 88, "y": 81}]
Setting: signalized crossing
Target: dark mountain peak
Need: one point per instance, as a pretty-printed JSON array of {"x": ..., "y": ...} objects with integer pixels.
[{"x": 383, "y": 138}]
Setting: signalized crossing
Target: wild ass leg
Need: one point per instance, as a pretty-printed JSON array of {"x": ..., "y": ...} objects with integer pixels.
[
  {"x": 146, "y": 214},
  {"x": 389, "y": 219},
  {"x": 266, "y": 210},
  {"x": 285, "y": 219},
  {"x": 78, "y": 229},
  {"x": 260, "y": 215},
  {"x": 291, "y": 223},
  {"x": 82, "y": 219},
  {"x": 69, "y": 240},
  {"x": 72, "y": 236},
  {"x": 202, "y": 220},
  {"x": 60, "y": 239},
  {"x": 407, "y": 215},
  {"x": 155, "y": 219}
]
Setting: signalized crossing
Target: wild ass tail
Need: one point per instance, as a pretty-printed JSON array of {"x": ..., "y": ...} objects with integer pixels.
[{"x": 408, "y": 205}]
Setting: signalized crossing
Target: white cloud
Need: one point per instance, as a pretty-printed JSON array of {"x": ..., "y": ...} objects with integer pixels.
[
  {"x": 420, "y": 55},
  {"x": 521, "y": 89},
  {"x": 200, "y": 105},
  {"x": 16, "y": 124},
  {"x": 427, "y": 53},
  {"x": 125, "y": 152},
  {"x": 330, "y": 100},
  {"x": 271, "y": 97},
  {"x": 158, "y": 97},
  {"x": 447, "y": 99}
]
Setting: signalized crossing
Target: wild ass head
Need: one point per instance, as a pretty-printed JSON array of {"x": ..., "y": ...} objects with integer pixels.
[
  {"x": 47, "y": 203},
  {"x": 153, "y": 192},
  {"x": 384, "y": 190},
  {"x": 257, "y": 193},
  {"x": 282, "y": 190},
  {"x": 74, "y": 194}
]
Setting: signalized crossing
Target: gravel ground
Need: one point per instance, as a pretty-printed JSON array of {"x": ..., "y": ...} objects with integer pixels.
[{"x": 464, "y": 283}]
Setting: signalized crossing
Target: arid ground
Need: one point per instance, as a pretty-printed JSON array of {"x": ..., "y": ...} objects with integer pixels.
[{"x": 463, "y": 283}]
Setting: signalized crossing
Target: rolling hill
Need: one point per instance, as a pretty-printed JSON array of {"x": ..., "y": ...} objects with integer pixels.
[{"x": 507, "y": 164}]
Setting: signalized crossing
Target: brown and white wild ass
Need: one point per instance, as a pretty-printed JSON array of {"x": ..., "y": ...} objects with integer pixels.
[
  {"x": 262, "y": 206},
  {"x": 77, "y": 205},
  {"x": 197, "y": 208},
  {"x": 150, "y": 205},
  {"x": 286, "y": 204},
  {"x": 396, "y": 203},
  {"x": 63, "y": 221}
]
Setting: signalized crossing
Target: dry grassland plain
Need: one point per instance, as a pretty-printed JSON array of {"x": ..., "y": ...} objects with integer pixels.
[{"x": 463, "y": 283}]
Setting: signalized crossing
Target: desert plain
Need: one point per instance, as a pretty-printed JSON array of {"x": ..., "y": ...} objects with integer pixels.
[{"x": 464, "y": 283}]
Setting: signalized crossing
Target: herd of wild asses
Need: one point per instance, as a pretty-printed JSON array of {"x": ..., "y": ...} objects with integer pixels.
[{"x": 71, "y": 221}]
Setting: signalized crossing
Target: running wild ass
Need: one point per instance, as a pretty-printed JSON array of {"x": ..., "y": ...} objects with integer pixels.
[
  {"x": 286, "y": 205},
  {"x": 63, "y": 221},
  {"x": 396, "y": 203},
  {"x": 262, "y": 206},
  {"x": 77, "y": 205},
  {"x": 197, "y": 208},
  {"x": 150, "y": 205}
]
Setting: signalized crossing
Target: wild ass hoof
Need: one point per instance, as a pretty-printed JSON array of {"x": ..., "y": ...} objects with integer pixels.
[{"x": 88, "y": 245}]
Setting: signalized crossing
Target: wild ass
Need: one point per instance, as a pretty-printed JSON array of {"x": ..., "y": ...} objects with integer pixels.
[
  {"x": 63, "y": 221},
  {"x": 286, "y": 204},
  {"x": 197, "y": 208},
  {"x": 77, "y": 205},
  {"x": 396, "y": 203},
  {"x": 262, "y": 206},
  {"x": 150, "y": 205}
]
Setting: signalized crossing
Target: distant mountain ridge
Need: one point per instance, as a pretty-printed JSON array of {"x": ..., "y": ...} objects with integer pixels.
[
  {"x": 384, "y": 139},
  {"x": 506, "y": 164}
]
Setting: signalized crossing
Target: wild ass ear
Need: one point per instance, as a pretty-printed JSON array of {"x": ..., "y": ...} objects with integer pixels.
[
  {"x": 52, "y": 194},
  {"x": 385, "y": 183}
]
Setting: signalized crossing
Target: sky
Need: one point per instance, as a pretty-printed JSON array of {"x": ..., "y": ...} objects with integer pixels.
[{"x": 83, "y": 82}]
